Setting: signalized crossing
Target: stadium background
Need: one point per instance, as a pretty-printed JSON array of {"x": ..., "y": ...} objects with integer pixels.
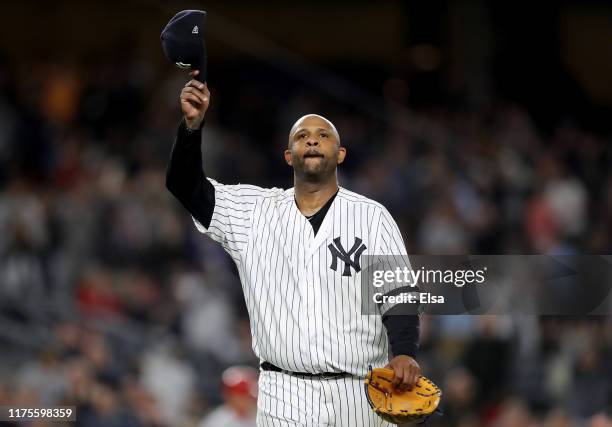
[{"x": 484, "y": 127}]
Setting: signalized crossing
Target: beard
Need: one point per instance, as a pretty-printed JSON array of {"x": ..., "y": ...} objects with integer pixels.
[{"x": 314, "y": 169}]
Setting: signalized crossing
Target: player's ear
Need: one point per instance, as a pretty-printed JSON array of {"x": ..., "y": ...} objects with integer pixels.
[
  {"x": 341, "y": 154},
  {"x": 288, "y": 157}
]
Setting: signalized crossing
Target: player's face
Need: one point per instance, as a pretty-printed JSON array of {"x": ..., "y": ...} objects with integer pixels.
[{"x": 314, "y": 148}]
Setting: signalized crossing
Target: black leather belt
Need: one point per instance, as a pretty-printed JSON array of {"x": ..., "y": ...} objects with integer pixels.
[{"x": 267, "y": 366}]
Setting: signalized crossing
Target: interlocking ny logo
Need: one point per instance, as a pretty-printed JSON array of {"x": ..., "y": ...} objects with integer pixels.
[{"x": 338, "y": 251}]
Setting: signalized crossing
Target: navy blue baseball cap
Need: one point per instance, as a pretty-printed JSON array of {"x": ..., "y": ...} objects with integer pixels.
[{"x": 183, "y": 41}]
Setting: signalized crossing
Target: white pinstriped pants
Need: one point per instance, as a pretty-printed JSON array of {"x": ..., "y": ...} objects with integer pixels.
[{"x": 286, "y": 400}]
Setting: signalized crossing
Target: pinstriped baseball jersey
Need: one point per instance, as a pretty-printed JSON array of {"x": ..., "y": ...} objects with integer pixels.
[{"x": 303, "y": 290}]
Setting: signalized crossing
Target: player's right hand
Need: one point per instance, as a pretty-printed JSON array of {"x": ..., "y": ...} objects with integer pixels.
[{"x": 195, "y": 98}]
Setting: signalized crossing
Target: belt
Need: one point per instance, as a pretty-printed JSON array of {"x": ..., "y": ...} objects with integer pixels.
[{"x": 267, "y": 366}]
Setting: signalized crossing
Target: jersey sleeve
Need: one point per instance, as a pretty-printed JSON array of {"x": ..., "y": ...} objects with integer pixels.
[
  {"x": 401, "y": 320},
  {"x": 391, "y": 252},
  {"x": 231, "y": 220},
  {"x": 390, "y": 241},
  {"x": 223, "y": 212}
]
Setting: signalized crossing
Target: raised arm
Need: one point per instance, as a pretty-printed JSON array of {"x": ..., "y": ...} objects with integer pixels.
[{"x": 185, "y": 177}]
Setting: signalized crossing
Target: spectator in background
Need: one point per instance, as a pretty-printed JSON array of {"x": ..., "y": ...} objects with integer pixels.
[
  {"x": 600, "y": 420},
  {"x": 459, "y": 398},
  {"x": 170, "y": 380},
  {"x": 45, "y": 376},
  {"x": 592, "y": 385},
  {"x": 239, "y": 387},
  {"x": 514, "y": 413},
  {"x": 487, "y": 357}
]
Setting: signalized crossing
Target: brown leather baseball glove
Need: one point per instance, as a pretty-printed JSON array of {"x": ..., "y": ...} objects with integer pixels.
[{"x": 397, "y": 406}]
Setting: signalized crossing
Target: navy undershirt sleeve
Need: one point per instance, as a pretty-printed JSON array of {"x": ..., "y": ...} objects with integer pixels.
[
  {"x": 185, "y": 177},
  {"x": 402, "y": 332}
]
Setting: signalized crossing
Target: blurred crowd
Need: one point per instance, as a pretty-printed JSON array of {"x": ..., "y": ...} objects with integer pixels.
[{"x": 110, "y": 300}]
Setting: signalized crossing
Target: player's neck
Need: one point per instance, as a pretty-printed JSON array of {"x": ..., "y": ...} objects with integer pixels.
[{"x": 310, "y": 197}]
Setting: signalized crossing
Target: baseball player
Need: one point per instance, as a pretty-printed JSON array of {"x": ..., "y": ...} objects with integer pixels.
[
  {"x": 298, "y": 256},
  {"x": 239, "y": 387}
]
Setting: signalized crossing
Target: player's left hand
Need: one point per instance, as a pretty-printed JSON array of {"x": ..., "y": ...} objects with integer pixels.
[{"x": 406, "y": 370}]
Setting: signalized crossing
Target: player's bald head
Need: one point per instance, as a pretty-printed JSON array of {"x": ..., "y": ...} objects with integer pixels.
[
  {"x": 313, "y": 121},
  {"x": 314, "y": 149}
]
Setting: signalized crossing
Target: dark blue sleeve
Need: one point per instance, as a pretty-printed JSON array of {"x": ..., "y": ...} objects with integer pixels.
[
  {"x": 403, "y": 332},
  {"x": 185, "y": 177}
]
